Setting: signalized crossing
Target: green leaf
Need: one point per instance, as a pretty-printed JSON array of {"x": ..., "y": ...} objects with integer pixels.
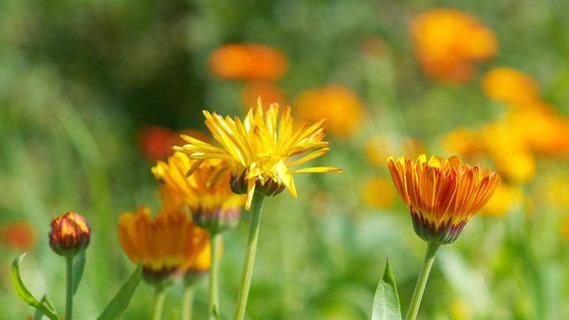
[
  {"x": 78, "y": 268},
  {"x": 386, "y": 299},
  {"x": 122, "y": 299},
  {"x": 25, "y": 294},
  {"x": 38, "y": 315}
]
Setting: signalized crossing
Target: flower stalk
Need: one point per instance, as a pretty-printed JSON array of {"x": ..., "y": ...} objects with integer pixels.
[
  {"x": 415, "y": 303},
  {"x": 256, "y": 208},
  {"x": 69, "y": 289},
  {"x": 159, "y": 303},
  {"x": 214, "y": 277},
  {"x": 188, "y": 302}
]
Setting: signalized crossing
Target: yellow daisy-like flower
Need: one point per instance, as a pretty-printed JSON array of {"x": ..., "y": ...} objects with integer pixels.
[
  {"x": 442, "y": 193},
  {"x": 165, "y": 245},
  {"x": 262, "y": 151},
  {"x": 206, "y": 191}
]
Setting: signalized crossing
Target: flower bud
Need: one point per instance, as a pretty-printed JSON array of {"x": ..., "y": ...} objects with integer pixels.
[
  {"x": 70, "y": 234},
  {"x": 216, "y": 220}
]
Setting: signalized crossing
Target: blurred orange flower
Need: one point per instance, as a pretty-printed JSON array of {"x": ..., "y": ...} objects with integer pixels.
[
  {"x": 462, "y": 141},
  {"x": 448, "y": 42},
  {"x": 248, "y": 62},
  {"x": 268, "y": 92},
  {"x": 156, "y": 142},
  {"x": 17, "y": 235},
  {"x": 548, "y": 133},
  {"x": 510, "y": 86},
  {"x": 378, "y": 193},
  {"x": 504, "y": 199},
  {"x": 339, "y": 105}
]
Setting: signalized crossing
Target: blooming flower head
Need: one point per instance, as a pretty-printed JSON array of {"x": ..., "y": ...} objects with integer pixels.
[
  {"x": 339, "y": 105},
  {"x": 449, "y": 42},
  {"x": 70, "y": 234},
  {"x": 262, "y": 151},
  {"x": 165, "y": 245},
  {"x": 442, "y": 193},
  {"x": 207, "y": 190},
  {"x": 510, "y": 86},
  {"x": 248, "y": 62}
]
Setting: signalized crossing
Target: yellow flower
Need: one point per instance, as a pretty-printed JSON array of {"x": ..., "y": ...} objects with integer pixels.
[
  {"x": 442, "y": 193},
  {"x": 510, "y": 86},
  {"x": 448, "y": 42},
  {"x": 206, "y": 191},
  {"x": 377, "y": 193},
  {"x": 565, "y": 229},
  {"x": 262, "y": 151},
  {"x": 165, "y": 245},
  {"x": 462, "y": 141},
  {"x": 504, "y": 199},
  {"x": 339, "y": 105}
]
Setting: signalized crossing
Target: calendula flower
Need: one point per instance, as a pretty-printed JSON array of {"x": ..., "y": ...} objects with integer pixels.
[
  {"x": 510, "y": 86},
  {"x": 166, "y": 245},
  {"x": 248, "y": 62},
  {"x": 70, "y": 234},
  {"x": 267, "y": 92},
  {"x": 442, "y": 193},
  {"x": 262, "y": 151},
  {"x": 503, "y": 200},
  {"x": 17, "y": 235},
  {"x": 449, "y": 42},
  {"x": 339, "y": 105},
  {"x": 207, "y": 190},
  {"x": 377, "y": 193}
]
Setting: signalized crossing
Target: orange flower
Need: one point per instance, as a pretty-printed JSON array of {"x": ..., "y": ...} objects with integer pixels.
[
  {"x": 70, "y": 234},
  {"x": 17, "y": 235},
  {"x": 156, "y": 142},
  {"x": 510, "y": 86},
  {"x": 442, "y": 193},
  {"x": 377, "y": 193},
  {"x": 267, "y": 92},
  {"x": 166, "y": 245},
  {"x": 339, "y": 105},
  {"x": 448, "y": 42},
  {"x": 248, "y": 62},
  {"x": 504, "y": 199}
]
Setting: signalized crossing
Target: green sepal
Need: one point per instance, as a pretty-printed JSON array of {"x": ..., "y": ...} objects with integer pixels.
[
  {"x": 119, "y": 303},
  {"x": 23, "y": 292},
  {"x": 386, "y": 299}
]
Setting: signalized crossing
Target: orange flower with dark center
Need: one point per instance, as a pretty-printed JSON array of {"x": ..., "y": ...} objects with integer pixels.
[
  {"x": 248, "y": 62},
  {"x": 442, "y": 193},
  {"x": 69, "y": 234},
  {"x": 449, "y": 42}
]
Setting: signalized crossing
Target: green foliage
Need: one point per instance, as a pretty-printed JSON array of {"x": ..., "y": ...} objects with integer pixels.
[
  {"x": 386, "y": 299},
  {"x": 119, "y": 303},
  {"x": 78, "y": 268}
]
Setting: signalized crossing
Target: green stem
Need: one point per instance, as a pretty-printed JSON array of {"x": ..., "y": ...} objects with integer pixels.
[
  {"x": 69, "y": 291},
  {"x": 422, "y": 280},
  {"x": 187, "y": 303},
  {"x": 159, "y": 303},
  {"x": 214, "y": 277},
  {"x": 249, "y": 264}
]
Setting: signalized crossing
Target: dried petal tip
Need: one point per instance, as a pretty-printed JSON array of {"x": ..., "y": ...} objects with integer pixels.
[{"x": 70, "y": 234}]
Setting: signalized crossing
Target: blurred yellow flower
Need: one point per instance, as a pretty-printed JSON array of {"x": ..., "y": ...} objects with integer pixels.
[
  {"x": 207, "y": 191},
  {"x": 510, "y": 87},
  {"x": 378, "y": 148},
  {"x": 248, "y": 62},
  {"x": 504, "y": 199},
  {"x": 442, "y": 193},
  {"x": 565, "y": 229},
  {"x": 462, "y": 141},
  {"x": 166, "y": 245},
  {"x": 459, "y": 310},
  {"x": 265, "y": 91},
  {"x": 378, "y": 193},
  {"x": 261, "y": 151},
  {"x": 515, "y": 167},
  {"x": 339, "y": 105},
  {"x": 448, "y": 42}
]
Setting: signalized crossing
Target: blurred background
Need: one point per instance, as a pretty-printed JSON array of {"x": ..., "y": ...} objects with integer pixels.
[{"x": 93, "y": 92}]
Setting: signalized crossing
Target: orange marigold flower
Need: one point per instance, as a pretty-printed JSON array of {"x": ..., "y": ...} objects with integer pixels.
[
  {"x": 339, "y": 105},
  {"x": 248, "y": 62},
  {"x": 262, "y": 151},
  {"x": 166, "y": 245},
  {"x": 207, "y": 190},
  {"x": 70, "y": 234},
  {"x": 510, "y": 86},
  {"x": 265, "y": 91},
  {"x": 505, "y": 198},
  {"x": 17, "y": 235},
  {"x": 442, "y": 193},
  {"x": 448, "y": 42}
]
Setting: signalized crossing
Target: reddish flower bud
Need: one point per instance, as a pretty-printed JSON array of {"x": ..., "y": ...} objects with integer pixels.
[{"x": 69, "y": 234}]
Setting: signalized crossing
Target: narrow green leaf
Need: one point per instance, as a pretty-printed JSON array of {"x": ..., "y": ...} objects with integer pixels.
[
  {"x": 122, "y": 299},
  {"x": 38, "y": 315},
  {"x": 25, "y": 294},
  {"x": 78, "y": 268},
  {"x": 386, "y": 299}
]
